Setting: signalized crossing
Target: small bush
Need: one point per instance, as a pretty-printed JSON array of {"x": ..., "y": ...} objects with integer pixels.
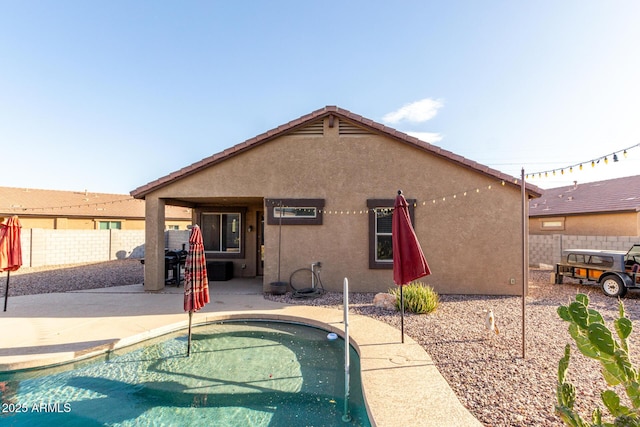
[{"x": 418, "y": 298}]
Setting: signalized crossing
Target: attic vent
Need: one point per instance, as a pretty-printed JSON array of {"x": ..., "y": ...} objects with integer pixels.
[
  {"x": 316, "y": 128},
  {"x": 346, "y": 128}
]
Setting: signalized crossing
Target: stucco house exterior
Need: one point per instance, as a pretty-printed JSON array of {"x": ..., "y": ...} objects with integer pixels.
[
  {"x": 320, "y": 188},
  {"x": 82, "y": 210},
  {"x": 602, "y": 208}
]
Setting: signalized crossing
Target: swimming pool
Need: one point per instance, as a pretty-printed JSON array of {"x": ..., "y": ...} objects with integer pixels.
[{"x": 239, "y": 374}]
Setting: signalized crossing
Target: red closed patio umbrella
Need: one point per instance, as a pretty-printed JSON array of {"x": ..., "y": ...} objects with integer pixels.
[
  {"x": 10, "y": 250},
  {"x": 409, "y": 262},
  {"x": 196, "y": 282}
]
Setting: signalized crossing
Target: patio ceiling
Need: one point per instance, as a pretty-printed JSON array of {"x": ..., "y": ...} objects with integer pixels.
[{"x": 193, "y": 202}]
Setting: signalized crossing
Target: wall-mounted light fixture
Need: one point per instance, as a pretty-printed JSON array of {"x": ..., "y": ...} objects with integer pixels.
[{"x": 250, "y": 229}]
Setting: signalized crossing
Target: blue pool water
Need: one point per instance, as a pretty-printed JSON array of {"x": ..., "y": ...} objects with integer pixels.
[{"x": 238, "y": 374}]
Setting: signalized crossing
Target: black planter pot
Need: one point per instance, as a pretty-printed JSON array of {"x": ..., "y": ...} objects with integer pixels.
[{"x": 278, "y": 288}]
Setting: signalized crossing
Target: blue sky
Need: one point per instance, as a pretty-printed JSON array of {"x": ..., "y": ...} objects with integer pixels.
[{"x": 108, "y": 96}]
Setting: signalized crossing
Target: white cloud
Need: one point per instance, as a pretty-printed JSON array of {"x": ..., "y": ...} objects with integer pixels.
[
  {"x": 430, "y": 137},
  {"x": 419, "y": 111}
]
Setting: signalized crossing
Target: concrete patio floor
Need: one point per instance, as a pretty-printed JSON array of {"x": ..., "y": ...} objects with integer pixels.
[{"x": 401, "y": 384}]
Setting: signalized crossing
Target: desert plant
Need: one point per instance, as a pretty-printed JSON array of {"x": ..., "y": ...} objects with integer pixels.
[
  {"x": 596, "y": 341},
  {"x": 418, "y": 298}
]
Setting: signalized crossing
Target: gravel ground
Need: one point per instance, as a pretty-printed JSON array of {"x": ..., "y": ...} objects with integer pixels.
[
  {"x": 64, "y": 278},
  {"x": 486, "y": 371}
]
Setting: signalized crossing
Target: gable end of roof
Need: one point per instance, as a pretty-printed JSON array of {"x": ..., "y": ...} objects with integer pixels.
[{"x": 309, "y": 119}]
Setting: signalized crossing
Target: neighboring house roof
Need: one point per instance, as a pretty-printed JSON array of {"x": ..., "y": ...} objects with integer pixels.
[
  {"x": 308, "y": 119},
  {"x": 613, "y": 195},
  {"x": 33, "y": 202}
]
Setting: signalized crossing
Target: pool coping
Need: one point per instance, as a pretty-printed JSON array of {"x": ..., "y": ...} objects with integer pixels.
[{"x": 401, "y": 384}]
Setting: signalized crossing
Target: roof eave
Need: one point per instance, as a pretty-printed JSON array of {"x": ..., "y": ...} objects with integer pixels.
[
  {"x": 608, "y": 211},
  {"x": 378, "y": 128}
]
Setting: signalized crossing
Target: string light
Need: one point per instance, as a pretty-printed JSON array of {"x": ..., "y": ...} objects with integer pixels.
[
  {"x": 388, "y": 211},
  {"x": 84, "y": 205},
  {"x": 594, "y": 162},
  {"x": 350, "y": 211}
]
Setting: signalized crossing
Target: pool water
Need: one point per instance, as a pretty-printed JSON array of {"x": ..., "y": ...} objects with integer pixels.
[{"x": 238, "y": 374}]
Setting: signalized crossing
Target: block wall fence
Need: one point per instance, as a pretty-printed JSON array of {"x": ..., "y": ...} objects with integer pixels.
[
  {"x": 42, "y": 247},
  {"x": 546, "y": 250}
]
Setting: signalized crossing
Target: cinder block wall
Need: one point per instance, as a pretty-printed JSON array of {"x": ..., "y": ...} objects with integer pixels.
[
  {"x": 547, "y": 249},
  {"x": 175, "y": 239},
  {"x": 126, "y": 244},
  {"x": 55, "y": 247},
  {"x": 25, "y": 239}
]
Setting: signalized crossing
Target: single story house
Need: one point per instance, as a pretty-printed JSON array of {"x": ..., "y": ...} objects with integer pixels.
[
  {"x": 82, "y": 210},
  {"x": 322, "y": 187},
  {"x": 602, "y": 208}
]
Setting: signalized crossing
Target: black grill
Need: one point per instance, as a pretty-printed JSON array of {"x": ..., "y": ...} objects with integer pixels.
[{"x": 174, "y": 262}]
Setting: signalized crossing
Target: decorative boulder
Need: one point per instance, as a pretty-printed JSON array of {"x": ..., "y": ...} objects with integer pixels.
[{"x": 385, "y": 301}]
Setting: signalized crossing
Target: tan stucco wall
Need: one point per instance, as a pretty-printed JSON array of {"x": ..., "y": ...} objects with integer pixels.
[
  {"x": 46, "y": 223},
  {"x": 472, "y": 243},
  {"x": 607, "y": 224}
]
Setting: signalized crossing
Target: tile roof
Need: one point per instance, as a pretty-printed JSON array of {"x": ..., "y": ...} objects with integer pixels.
[
  {"x": 300, "y": 122},
  {"x": 613, "y": 195},
  {"x": 34, "y": 202}
]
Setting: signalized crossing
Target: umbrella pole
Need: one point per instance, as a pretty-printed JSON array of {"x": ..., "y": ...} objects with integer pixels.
[
  {"x": 189, "y": 339},
  {"x": 6, "y": 291},
  {"x": 402, "y": 315}
]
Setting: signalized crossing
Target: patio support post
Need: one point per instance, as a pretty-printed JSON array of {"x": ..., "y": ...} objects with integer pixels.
[{"x": 154, "y": 244}]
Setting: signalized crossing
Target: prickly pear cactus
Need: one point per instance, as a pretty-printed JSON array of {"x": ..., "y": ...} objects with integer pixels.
[{"x": 595, "y": 340}]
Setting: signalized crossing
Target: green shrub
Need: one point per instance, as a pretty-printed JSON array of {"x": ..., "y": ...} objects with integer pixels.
[
  {"x": 418, "y": 298},
  {"x": 596, "y": 341}
]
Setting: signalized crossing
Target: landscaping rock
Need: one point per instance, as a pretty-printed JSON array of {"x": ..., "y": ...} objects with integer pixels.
[{"x": 385, "y": 301}]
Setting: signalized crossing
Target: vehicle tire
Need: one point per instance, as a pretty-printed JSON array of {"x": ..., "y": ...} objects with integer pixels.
[{"x": 612, "y": 286}]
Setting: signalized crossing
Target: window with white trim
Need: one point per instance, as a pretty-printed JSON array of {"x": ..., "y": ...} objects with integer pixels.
[
  {"x": 380, "y": 239},
  {"x": 294, "y": 211},
  {"x": 109, "y": 225},
  {"x": 383, "y": 240},
  {"x": 552, "y": 223}
]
